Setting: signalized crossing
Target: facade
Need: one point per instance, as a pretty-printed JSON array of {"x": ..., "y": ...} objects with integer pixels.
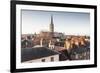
[
  {"x": 82, "y": 53},
  {"x": 53, "y": 58}
]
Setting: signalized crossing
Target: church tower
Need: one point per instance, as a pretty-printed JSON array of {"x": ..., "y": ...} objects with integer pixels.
[{"x": 52, "y": 26}]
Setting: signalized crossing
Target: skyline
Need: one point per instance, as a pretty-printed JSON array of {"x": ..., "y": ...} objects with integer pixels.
[{"x": 70, "y": 23}]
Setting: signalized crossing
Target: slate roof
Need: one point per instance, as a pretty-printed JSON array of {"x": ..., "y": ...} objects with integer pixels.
[{"x": 35, "y": 53}]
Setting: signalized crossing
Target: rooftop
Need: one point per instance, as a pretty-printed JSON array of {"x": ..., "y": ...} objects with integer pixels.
[{"x": 36, "y": 53}]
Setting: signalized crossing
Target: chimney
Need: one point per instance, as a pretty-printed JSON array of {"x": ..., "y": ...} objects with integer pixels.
[
  {"x": 49, "y": 43},
  {"x": 41, "y": 42}
]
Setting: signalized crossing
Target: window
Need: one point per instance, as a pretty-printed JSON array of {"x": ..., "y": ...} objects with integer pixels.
[
  {"x": 43, "y": 60},
  {"x": 52, "y": 58}
]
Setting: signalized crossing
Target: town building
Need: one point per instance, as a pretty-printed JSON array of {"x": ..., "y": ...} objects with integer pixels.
[{"x": 38, "y": 54}]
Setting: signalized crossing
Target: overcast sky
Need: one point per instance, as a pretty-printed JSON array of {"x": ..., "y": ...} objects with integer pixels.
[{"x": 74, "y": 23}]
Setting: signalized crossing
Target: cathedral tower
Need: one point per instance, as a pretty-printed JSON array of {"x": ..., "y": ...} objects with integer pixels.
[{"x": 52, "y": 26}]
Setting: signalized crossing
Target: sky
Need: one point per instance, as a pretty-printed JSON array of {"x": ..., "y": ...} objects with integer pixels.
[{"x": 69, "y": 23}]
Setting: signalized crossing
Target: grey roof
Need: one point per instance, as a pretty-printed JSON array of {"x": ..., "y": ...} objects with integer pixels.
[
  {"x": 36, "y": 53},
  {"x": 80, "y": 50}
]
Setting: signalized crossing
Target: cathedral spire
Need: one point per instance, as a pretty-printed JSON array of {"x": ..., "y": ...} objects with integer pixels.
[
  {"x": 51, "y": 25},
  {"x": 51, "y": 19}
]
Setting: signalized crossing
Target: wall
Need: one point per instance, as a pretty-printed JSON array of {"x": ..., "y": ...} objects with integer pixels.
[
  {"x": 5, "y": 36},
  {"x": 47, "y": 59}
]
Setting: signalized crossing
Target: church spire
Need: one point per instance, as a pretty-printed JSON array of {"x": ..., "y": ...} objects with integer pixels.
[
  {"x": 51, "y": 25},
  {"x": 51, "y": 19}
]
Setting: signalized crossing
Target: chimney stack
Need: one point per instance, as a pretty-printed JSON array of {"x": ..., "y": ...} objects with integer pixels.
[{"x": 41, "y": 42}]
